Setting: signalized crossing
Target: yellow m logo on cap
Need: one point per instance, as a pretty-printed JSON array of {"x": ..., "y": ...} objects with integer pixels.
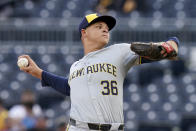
[{"x": 91, "y": 17}]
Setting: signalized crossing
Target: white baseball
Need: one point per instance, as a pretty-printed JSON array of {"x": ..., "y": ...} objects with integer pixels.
[{"x": 22, "y": 62}]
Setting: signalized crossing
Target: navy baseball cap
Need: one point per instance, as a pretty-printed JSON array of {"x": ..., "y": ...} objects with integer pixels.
[{"x": 93, "y": 18}]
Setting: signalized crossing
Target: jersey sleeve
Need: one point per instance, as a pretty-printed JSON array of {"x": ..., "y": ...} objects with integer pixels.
[
  {"x": 128, "y": 57},
  {"x": 59, "y": 83}
]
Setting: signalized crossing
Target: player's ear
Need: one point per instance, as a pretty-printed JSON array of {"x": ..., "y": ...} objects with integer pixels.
[{"x": 83, "y": 32}]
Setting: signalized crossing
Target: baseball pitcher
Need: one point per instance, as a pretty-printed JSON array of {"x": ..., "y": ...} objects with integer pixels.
[{"x": 95, "y": 83}]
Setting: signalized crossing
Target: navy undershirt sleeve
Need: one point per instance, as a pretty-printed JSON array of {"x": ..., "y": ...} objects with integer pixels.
[
  {"x": 145, "y": 60},
  {"x": 174, "y": 39},
  {"x": 59, "y": 83}
]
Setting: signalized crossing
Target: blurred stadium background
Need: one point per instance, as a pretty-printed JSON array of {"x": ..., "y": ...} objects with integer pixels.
[{"x": 157, "y": 97}]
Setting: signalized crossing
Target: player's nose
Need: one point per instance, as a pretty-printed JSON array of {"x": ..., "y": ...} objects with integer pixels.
[{"x": 105, "y": 30}]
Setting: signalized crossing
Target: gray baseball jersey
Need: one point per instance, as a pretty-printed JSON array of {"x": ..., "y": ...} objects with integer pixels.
[{"x": 96, "y": 83}]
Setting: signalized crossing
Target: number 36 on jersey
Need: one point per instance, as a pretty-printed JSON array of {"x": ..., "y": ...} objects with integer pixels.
[{"x": 109, "y": 87}]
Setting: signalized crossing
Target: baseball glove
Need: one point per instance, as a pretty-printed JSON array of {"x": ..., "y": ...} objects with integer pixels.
[{"x": 154, "y": 51}]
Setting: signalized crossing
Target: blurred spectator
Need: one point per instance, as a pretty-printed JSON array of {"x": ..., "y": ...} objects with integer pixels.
[
  {"x": 128, "y": 6},
  {"x": 122, "y": 7},
  {"x": 3, "y": 117},
  {"x": 61, "y": 123},
  {"x": 62, "y": 126},
  {"x": 103, "y": 5},
  {"x": 24, "y": 116},
  {"x": 40, "y": 125},
  {"x": 8, "y": 124}
]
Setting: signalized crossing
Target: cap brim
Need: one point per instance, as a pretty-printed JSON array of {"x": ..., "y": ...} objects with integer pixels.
[{"x": 109, "y": 20}]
